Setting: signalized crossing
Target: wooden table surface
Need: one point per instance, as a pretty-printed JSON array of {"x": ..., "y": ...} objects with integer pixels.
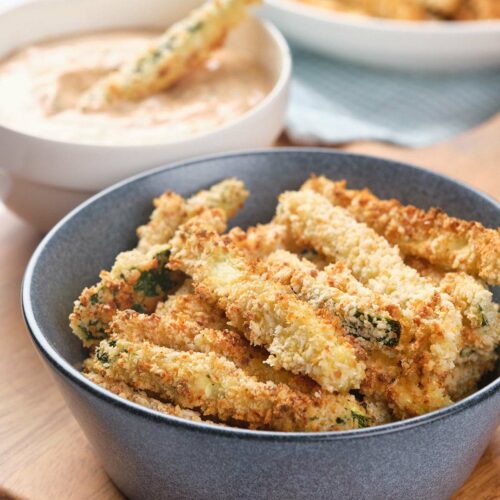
[{"x": 43, "y": 452}]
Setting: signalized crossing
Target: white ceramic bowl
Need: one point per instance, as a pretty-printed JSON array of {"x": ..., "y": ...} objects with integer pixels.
[
  {"x": 46, "y": 178},
  {"x": 405, "y": 45}
]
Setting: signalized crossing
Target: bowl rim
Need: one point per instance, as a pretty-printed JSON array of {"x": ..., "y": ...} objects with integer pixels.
[
  {"x": 353, "y": 20},
  {"x": 279, "y": 86},
  {"x": 76, "y": 377}
]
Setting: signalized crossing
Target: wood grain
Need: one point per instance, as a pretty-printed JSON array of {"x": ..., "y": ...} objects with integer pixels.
[{"x": 43, "y": 452}]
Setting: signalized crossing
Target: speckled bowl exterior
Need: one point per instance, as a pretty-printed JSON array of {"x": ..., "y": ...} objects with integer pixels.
[{"x": 150, "y": 455}]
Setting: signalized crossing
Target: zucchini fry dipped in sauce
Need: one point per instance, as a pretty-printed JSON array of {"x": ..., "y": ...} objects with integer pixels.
[
  {"x": 430, "y": 339},
  {"x": 185, "y": 45},
  {"x": 363, "y": 313},
  {"x": 451, "y": 243},
  {"x": 266, "y": 312},
  {"x": 171, "y": 210},
  {"x": 141, "y": 398},
  {"x": 217, "y": 388}
]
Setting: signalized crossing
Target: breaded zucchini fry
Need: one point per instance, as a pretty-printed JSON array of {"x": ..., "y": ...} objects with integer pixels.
[
  {"x": 251, "y": 359},
  {"x": 204, "y": 334},
  {"x": 448, "y": 242},
  {"x": 228, "y": 195},
  {"x": 480, "y": 333},
  {"x": 141, "y": 398},
  {"x": 169, "y": 213},
  {"x": 261, "y": 240},
  {"x": 186, "y": 307},
  {"x": 431, "y": 331},
  {"x": 185, "y": 45},
  {"x": 475, "y": 302},
  {"x": 172, "y": 210},
  {"x": 481, "y": 324},
  {"x": 214, "y": 386},
  {"x": 364, "y": 314},
  {"x": 137, "y": 281},
  {"x": 266, "y": 312},
  {"x": 189, "y": 316}
]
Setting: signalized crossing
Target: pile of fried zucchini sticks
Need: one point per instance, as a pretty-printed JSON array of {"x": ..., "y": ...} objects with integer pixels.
[{"x": 345, "y": 311}]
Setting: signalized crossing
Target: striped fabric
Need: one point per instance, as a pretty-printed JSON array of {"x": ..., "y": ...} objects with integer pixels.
[{"x": 335, "y": 102}]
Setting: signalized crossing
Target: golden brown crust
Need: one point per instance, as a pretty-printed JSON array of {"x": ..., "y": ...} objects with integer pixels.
[
  {"x": 137, "y": 281},
  {"x": 169, "y": 213},
  {"x": 217, "y": 388},
  {"x": 261, "y": 240},
  {"x": 445, "y": 241},
  {"x": 192, "y": 325},
  {"x": 430, "y": 323},
  {"x": 141, "y": 398},
  {"x": 306, "y": 314},
  {"x": 171, "y": 210},
  {"x": 267, "y": 313},
  {"x": 364, "y": 314}
]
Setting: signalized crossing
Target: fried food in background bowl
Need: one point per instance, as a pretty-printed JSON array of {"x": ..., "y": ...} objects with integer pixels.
[
  {"x": 405, "y": 35},
  {"x": 415, "y": 10},
  {"x": 158, "y": 431}
]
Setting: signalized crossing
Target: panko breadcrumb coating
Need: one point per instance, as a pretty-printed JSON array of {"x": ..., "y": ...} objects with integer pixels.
[
  {"x": 171, "y": 210},
  {"x": 262, "y": 239},
  {"x": 139, "y": 278},
  {"x": 267, "y": 313},
  {"x": 431, "y": 343},
  {"x": 452, "y": 243},
  {"x": 137, "y": 281},
  {"x": 385, "y": 334},
  {"x": 207, "y": 328},
  {"x": 480, "y": 333},
  {"x": 141, "y": 398},
  {"x": 169, "y": 213},
  {"x": 364, "y": 314},
  {"x": 184, "y": 46},
  {"x": 215, "y": 387},
  {"x": 203, "y": 333}
]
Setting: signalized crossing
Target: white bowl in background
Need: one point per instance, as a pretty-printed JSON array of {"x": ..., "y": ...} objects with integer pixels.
[
  {"x": 46, "y": 177},
  {"x": 435, "y": 46}
]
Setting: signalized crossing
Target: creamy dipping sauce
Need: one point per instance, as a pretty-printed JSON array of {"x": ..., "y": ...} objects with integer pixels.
[{"x": 40, "y": 86}]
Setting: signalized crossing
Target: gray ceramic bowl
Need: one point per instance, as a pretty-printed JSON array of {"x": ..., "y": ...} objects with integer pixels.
[{"x": 150, "y": 455}]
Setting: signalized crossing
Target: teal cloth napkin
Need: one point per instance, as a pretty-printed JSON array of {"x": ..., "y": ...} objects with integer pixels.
[{"x": 334, "y": 102}]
